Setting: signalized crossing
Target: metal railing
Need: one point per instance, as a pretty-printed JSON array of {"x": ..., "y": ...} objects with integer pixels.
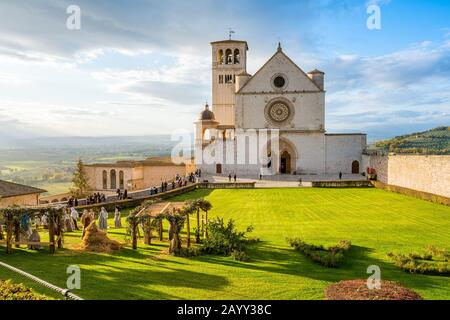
[{"x": 65, "y": 292}]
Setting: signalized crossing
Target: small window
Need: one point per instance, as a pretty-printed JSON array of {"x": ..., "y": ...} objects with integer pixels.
[
  {"x": 220, "y": 57},
  {"x": 279, "y": 82},
  {"x": 237, "y": 56},
  {"x": 221, "y": 78},
  {"x": 228, "y": 78},
  {"x": 229, "y": 56}
]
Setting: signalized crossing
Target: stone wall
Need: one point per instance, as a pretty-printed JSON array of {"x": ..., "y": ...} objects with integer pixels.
[
  {"x": 135, "y": 178},
  {"x": 25, "y": 200},
  {"x": 342, "y": 150},
  {"x": 429, "y": 174}
]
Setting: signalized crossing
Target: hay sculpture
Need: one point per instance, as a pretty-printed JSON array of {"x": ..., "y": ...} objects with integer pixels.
[{"x": 96, "y": 240}]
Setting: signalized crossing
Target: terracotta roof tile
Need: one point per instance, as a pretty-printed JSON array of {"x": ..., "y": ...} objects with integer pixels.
[{"x": 10, "y": 189}]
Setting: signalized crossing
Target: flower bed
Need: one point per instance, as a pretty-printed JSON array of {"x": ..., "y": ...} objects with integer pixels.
[
  {"x": 328, "y": 257},
  {"x": 434, "y": 261},
  {"x": 12, "y": 291},
  {"x": 358, "y": 290}
]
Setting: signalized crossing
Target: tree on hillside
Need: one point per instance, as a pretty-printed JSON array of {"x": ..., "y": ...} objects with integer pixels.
[{"x": 80, "y": 181}]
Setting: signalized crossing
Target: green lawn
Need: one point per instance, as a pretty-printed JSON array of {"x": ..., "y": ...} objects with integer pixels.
[{"x": 375, "y": 221}]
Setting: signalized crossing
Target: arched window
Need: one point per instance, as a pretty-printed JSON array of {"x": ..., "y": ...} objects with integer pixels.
[
  {"x": 229, "y": 56},
  {"x": 220, "y": 57},
  {"x": 237, "y": 56},
  {"x": 112, "y": 175},
  {"x": 207, "y": 134},
  {"x": 121, "y": 180},
  {"x": 105, "y": 180},
  {"x": 355, "y": 167}
]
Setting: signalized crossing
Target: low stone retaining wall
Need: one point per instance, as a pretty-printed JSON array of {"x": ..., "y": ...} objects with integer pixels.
[
  {"x": 341, "y": 184},
  {"x": 131, "y": 203},
  {"x": 227, "y": 185},
  {"x": 413, "y": 193},
  {"x": 136, "y": 201}
]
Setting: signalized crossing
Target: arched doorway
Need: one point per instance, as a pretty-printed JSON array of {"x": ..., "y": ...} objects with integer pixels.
[
  {"x": 105, "y": 179},
  {"x": 281, "y": 158},
  {"x": 121, "y": 180},
  {"x": 285, "y": 163},
  {"x": 113, "y": 179},
  {"x": 355, "y": 167}
]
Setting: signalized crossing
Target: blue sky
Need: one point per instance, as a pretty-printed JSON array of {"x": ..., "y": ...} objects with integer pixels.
[{"x": 143, "y": 67}]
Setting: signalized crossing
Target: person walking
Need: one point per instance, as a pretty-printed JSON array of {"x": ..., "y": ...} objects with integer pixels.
[
  {"x": 235, "y": 177},
  {"x": 229, "y": 177},
  {"x": 340, "y": 175}
]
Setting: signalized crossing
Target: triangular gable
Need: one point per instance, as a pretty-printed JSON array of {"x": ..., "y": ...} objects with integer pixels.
[{"x": 298, "y": 80}]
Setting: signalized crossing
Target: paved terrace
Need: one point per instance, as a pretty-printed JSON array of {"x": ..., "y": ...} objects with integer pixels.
[
  {"x": 275, "y": 181},
  {"x": 285, "y": 181}
]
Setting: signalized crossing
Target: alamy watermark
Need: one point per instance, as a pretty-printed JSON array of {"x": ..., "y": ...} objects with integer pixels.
[
  {"x": 374, "y": 280},
  {"x": 74, "y": 279},
  {"x": 73, "y": 22},
  {"x": 232, "y": 147},
  {"x": 374, "y": 19}
]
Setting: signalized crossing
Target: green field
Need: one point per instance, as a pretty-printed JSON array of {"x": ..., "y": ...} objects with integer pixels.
[{"x": 375, "y": 221}]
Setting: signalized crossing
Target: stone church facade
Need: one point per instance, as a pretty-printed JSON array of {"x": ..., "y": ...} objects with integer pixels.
[{"x": 281, "y": 101}]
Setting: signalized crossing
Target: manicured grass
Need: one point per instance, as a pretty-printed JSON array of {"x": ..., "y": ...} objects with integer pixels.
[{"x": 375, "y": 221}]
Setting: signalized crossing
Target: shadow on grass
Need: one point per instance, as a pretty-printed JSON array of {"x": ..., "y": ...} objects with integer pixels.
[
  {"x": 125, "y": 274},
  {"x": 264, "y": 257}
]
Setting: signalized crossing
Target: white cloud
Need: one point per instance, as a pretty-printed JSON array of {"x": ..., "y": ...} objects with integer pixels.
[{"x": 146, "y": 68}]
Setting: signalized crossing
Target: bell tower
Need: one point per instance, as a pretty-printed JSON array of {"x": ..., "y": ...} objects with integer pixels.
[{"x": 229, "y": 59}]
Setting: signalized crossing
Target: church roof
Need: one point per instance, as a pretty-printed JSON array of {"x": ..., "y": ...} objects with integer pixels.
[
  {"x": 10, "y": 189},
  {"x": 230, "y": 42},
  {"x": 244, "y": 73},
  {"x": 316, "y": 71},
  {"x": 153, "y": 161},
  {"x": 279, "y": 51},
  {"x": 207, "y": 114}
]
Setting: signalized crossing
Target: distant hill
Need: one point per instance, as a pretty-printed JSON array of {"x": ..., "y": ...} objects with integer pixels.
[{"x": 434, "y": 141}]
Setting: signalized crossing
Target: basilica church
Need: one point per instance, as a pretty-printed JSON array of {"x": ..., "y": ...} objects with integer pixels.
[{"x": 280, "y": 100}]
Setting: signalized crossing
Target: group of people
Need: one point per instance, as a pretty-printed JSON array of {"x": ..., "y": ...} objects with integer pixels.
[
  {"x": 122, "y": 195},
  {"x": 72, "y": 202},
  {"x": 177, "y": 182},
  {"x": 235, "y": 177},
  {"x": 72, "y": 217},
  {"x": 95, "y": 198}
]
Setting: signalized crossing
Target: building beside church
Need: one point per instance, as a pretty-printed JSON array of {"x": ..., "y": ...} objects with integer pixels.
[
  {"x": 133, "y": 175},
  {"x": 280, "y": 100},
  {"x": 18, "y": 194}
]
